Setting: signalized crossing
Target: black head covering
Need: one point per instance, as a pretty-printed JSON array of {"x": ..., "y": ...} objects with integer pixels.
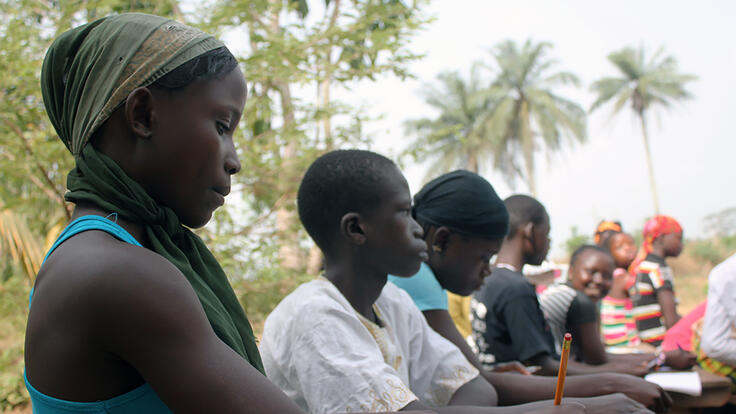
[{"x": 465, "y": 202}]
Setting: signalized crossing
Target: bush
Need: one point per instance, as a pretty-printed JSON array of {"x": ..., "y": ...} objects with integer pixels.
[
  {"x": 261, "y": 295},
  {"x": 706, "y": 250},
  {"x": 13, "y": 315}
]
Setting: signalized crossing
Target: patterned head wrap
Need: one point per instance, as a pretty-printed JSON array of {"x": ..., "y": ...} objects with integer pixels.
[
  {"x": 605, "y": 226},
  {"x": 653, "y": 228},
  {"x": 465, "y": 202},
  {"x": 89, "y": 71}
]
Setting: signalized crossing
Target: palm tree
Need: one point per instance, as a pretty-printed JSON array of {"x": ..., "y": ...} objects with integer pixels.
[
  {"x": 644, "y": 83},
  {"x": 525, "y": 107},
  {"x": 457, "y": 138}
]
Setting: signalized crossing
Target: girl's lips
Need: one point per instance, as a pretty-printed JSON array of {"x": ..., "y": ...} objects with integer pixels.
[{"x": 219, "y": 197}]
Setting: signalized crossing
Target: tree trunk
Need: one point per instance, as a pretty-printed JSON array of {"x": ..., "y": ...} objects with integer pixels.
[
  {"x": 315, "y": 258},
  {"x": 527, "y": 146},
  {"x": 286, "y": 219},
  {"x": 650, "y": 167},
  {"x": 473, "y": 162}
]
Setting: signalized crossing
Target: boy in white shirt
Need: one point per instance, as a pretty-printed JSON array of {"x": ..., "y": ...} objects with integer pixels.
[{"x": 350, "y": 342}]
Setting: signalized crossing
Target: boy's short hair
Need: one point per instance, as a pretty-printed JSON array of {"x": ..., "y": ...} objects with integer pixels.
[
  {"x": 337, "y": 183},
  {"x": 523, "y": 209}
]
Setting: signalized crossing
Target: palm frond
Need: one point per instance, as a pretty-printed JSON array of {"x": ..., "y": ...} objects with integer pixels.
[
  {"x": 606, "y": 89},
  {"x": 18, "y": 243}
]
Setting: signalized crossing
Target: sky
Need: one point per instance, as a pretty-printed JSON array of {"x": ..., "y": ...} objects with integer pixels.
[{"x": 692, "y": 143}]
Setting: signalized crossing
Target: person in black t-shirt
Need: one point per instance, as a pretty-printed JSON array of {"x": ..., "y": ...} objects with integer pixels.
[{"x": 507, "y": 319}]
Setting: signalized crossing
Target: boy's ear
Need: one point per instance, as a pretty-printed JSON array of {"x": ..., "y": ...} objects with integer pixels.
[
  {"x": 351, "y": 228},
  {"x": 139, "y": 112},
  {"x": 528, "y": 230},
  {"x": 440, "y": 239}
]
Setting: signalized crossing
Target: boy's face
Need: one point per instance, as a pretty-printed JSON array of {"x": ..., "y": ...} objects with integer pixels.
[
  {"x": 622, "y": 249},
  {"x": 540, "y": 241},
  {"x": 592, "y": 274},
  {"x": 394, "y": 242},
  {"x": 464, "y": 264}
]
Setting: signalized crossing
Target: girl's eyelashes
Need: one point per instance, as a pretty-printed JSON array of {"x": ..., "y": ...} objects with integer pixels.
[{"x": 222, "y": 127}]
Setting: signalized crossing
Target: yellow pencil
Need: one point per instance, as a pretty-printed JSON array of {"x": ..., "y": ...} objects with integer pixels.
[{"x": 563, "y": 368}]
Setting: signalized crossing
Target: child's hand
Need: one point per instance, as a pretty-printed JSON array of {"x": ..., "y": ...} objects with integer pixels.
[
  {"x": 618, "y": 288},
  {"x": 513, "y": 366},
  {"x": 679, "y": 359}
]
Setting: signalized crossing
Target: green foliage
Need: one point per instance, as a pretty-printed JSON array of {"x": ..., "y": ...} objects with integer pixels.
[
  {"x": 528, "y": 107},
  {"x": 457, "y": 137},
  {"x": 13, "y": 313},
  {"x": 714, "y": 250},
  {"x": 575, "y": 240},
  {"x": 292, "y": 45},
  {"x": 260, "y": 295},
  {"x": 644, "y": 83}
]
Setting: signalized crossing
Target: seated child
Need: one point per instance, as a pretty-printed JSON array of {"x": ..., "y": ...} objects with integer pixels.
[
  {"x": 653, "y": 293},
  {"x": 572, "y": 307},
  {"x": 460, "y": 244},
  {"x": 617, "y": 320},
  {"x": 348, "y": 340},
  {"x": 130, "y": 311},
  {"x": 508, "y": 321}
]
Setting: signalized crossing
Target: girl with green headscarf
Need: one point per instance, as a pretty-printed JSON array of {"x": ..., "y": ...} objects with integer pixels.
[{"x": 133, "y": 313}]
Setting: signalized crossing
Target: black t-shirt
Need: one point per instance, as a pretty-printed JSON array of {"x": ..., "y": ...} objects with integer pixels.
[{"x": 507, "y": 320}]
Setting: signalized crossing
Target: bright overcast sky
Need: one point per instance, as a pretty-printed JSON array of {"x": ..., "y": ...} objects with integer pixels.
[{"x": 692, "y": 144}]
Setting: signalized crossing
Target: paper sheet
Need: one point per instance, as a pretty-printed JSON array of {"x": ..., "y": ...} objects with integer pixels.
[{"x": 684, "y": 382}]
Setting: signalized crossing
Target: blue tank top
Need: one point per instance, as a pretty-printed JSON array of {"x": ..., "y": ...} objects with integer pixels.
[{"x": 140, "y": 400}]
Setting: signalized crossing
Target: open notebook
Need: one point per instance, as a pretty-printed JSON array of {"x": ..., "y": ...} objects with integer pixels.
[{"x": 684, "y": 382}]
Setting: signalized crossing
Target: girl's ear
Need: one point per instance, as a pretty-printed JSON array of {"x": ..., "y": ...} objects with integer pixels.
[
  {"x": 351, "y": 228},
  {"x": 139, "y": 112},
  {"x": 440, "y": 239},
  {"x": 658, "y": 240}
]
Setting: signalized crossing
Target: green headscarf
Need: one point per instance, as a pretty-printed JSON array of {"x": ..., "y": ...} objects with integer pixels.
[{"x": 87, "y": 74}]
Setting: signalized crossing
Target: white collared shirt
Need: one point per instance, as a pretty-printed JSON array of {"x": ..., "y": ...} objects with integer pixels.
[
  {"x": 327, "y": 358},
  {"x": 719, "y": 327}
]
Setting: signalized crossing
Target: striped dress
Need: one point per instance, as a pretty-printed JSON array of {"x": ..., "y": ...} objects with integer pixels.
[
  {"x": 617, "y": 322},
  {"x": 652, "y": 276}
]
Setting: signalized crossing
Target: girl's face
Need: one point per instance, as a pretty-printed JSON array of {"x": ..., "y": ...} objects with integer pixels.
[
  {"x": 464, "y": 263},
  {"x": 622, "y": 249},
  {"x": 672, "y": 244},
  {"x": 592, "y": 274},
  {"x": 192, "y": 156}
]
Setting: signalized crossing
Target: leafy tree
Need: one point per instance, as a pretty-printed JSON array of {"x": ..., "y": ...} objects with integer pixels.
[
  {"x": 526, "y": 107},
  {"x": 458, "y": 136},
  {"x": 645, "y": 83},
  {"x": 292, "y": 47}
]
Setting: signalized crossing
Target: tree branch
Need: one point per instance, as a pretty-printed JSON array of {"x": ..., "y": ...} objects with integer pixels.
[{"x": 51, "y": 189}]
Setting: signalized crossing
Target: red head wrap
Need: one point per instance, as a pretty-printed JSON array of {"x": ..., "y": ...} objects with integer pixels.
[{"x": 653, "y": 228}]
